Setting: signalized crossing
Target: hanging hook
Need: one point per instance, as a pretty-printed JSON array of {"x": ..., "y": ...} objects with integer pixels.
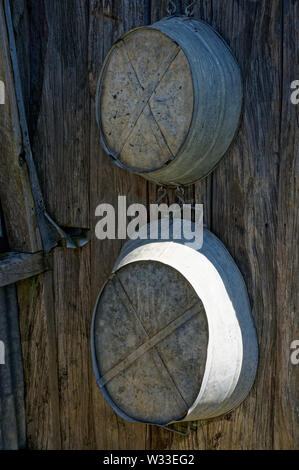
[
  {"x": 171, "y": 9},
  {"x": 180, "y": 194},
  {"x": 162, "y": 190},
  {"x": 189, "y": 10},
  {"x": 107, "y": 4}
]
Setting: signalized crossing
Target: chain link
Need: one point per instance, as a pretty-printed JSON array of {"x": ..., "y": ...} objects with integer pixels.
[
  {"x": 179, "y": 193},
  {"x": 107, "y": 4},
  {"x": 189, "y": 10},
  {"x": 171, "y": 9},
  {"x": 162, "y": 193}
]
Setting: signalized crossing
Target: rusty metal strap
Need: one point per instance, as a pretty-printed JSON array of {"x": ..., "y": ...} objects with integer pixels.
[{"x": 149, "y": 344}]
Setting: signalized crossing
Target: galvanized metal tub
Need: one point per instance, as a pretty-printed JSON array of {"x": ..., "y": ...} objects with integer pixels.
[
  {"x": 172, "y": 335},
  {"x": 169, "y": 100}
]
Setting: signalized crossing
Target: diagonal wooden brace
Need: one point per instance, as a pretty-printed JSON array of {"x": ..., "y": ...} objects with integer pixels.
[
  {"x": 18, "y": 137},
  {"x": 15, "y": 267}
]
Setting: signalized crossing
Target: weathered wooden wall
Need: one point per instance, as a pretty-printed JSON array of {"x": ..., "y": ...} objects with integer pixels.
[
  {"x": 249, "y": 203},
  {"x": 12, "y": 406}
]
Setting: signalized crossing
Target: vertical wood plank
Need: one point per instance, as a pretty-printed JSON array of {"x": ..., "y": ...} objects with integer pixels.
[
  {"x": 72, "y": 313},
  {"x": 12, "y": 406},
  {"x": 37, "y": 325},
  {"x": 286, "y": 423},
  {"x": 15, "y": 190},
  {"x": 64, "y": 168},
  {"x": 23, "y": 234},
  {"x": 244, "y": 205}
]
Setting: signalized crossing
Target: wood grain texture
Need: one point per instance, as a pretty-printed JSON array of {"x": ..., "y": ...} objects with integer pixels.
[
  {"x": 286, "y": 413},
  {"x": 35, "y": 298},
  {"x": 37, "y": 325},
  {"x": 12, "y": 406},
  {"x": 244, "y": 206},
  {"x": 238, "y": 207},
  {"x": 15, "y": 191},
  {"x": 249, "y": 203},
  {"x": 44, "y": 69},
  {"x": 16, "y": 267}
]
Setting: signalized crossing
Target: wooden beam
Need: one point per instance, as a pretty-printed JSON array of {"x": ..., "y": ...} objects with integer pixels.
[
  {"x": 12, "y": 406},
  {"x": 286, "y": 416},
  {"x": 15, "y": 267},
  {"x": 37, "y": 326},
  {"x": 15, "y": 190}
]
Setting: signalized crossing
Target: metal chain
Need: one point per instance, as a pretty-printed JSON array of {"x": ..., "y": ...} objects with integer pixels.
[
  {"x": 171, "y": 9},
  {"x": 179, "y": 192},
  {"x": 162, "y": 190},
  {"x": 107, "y": 4},
  {"x": 189, "y": 10}
]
